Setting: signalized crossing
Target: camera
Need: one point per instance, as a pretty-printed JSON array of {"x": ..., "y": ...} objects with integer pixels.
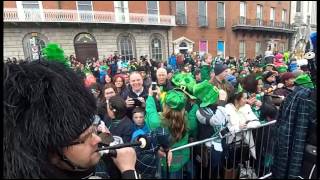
[{"x": 137, "y": 102}]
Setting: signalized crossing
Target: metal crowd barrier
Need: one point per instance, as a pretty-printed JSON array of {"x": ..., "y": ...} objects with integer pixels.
[{"x": 243, "y": 167}]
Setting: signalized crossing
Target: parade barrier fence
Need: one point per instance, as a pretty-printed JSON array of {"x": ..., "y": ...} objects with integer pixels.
[{"x": 243, "y": 164}]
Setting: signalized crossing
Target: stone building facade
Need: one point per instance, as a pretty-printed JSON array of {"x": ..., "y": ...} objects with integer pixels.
[{"x": 90, "y": 29}]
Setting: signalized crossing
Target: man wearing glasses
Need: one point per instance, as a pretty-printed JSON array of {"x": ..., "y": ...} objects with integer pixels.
[{"x": 49, "y": 125}]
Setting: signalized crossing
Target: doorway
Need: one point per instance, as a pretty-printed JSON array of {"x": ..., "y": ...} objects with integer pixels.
[{"x": 85, "y": 47}]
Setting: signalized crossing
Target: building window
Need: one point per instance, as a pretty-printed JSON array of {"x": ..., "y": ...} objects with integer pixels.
[
  {"x": 121, "y": 11},
  {"x": 282, "y": 48},
  {"x": 203, "y": 47},
  {"x": 85, "y": 10},
  {"x": 259, "y": 15},
  {"x": 242, "y": 49},
  {"x": 156, "y": 50},
  {"x": 220, "y": 15},
  {"x": 220, "y": 48},
  {"x": 202, "y": 12},
  {"x": 84, "y": 5},
  {"x": 126, "y": 45},
  {"x": 272, "y": 16},
  {"x": 242, "y": 12},
  {"x": 298, "y": 7},
  {"x": 181, "y": 16},
  {"x": 284, "y": 16},
  {"x": 30, "y": 5},
  {"x": 258, "y": 48},
  {"x": 153, "y": 11},
  {"x": 33, "y": 43}
]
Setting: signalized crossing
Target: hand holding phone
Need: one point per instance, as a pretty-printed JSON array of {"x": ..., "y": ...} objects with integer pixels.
[{"x": 223, "y": 132}]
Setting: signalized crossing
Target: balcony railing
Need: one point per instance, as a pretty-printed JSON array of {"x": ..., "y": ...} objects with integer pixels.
[
  {"x": 74, "y": 16},
  {"x": 244, "y": 23}
]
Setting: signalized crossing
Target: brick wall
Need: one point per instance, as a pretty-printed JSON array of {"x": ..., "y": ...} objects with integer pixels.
[
  {"x": 232, "y": 39},
  {"x": 9, "y": 4}
]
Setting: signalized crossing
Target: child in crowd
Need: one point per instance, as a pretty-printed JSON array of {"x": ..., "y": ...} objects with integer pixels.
[{"x": 147, "y": 158}]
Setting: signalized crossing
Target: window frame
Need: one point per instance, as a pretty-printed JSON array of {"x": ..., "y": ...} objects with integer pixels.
[
  {"x": 158, "y": 9},
  {"x": 155, "y": 55},
  {"x": 132, "y": 42},
  {"x": 224, "y": 47},
  {"x": 185, "y": 11},
  {"x": 244, "y": 48},
  {"x": 224, "y": 14},
  {"x": 259, "y": 50},
  {"x": 21, "y": 14},
  {"x": 206, "y": 17},
  {"x": 245, "y": 12}
]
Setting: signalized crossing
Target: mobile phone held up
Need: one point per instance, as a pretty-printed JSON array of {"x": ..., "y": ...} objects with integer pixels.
[
  {"x": 154, "y": 86},
  {"x": 223, "y": 132}
]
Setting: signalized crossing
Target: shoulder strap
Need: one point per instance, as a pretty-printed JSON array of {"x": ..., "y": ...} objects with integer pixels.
[{"x": 204, "y": 114}]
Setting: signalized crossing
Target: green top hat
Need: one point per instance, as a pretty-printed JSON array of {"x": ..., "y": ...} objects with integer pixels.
[
  {"x": 304, "y": 80},
  {"x": 282, "y": 69},
  {"x": 175, "y": 100},
  {"x": 206, "y": 92},
  {"x": 184, "y": 83}
]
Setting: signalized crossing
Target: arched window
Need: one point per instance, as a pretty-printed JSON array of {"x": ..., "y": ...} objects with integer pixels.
[
  {"x": 183, "y": 44},
  {"x": 126, "y": 46},
  {"x": 33, "y": 44},
  {"x": 156, "y": 49},
  {"x": 156, "y": 44}
]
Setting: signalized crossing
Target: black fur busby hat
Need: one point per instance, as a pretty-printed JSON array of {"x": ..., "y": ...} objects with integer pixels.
[{"x": 46, "y": 107}]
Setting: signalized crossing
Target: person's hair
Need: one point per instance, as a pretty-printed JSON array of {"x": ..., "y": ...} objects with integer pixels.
[
  {"x": 46, "y": 107},
  {"x": 111, "y": 80},
  {"x": 107, "y": 86},
  {"x": 118, "y": 106},
  {"x": 175, "y": 121},
  {"x": 122, "y": 79},
  {"x": 134, "y": 72},
  {"x": 250, "y": 84},
  {"x": 138, "y": 110},
  {"x": 235, "y": 96},
  {"x": 206, "y": 55}
]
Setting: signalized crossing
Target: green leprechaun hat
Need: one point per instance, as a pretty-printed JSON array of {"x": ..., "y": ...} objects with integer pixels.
[
  {"x": 304, "y": 80},
  {"x": 184, "y": 83},
  {"x": 206, "y": 92},
  {"x": 175, "y": 100},
  {"x": 282, "y": 69}
]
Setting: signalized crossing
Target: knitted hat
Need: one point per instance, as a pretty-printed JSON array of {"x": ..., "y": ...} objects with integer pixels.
[
  {"x": 219, "y": 68},
  {"x": 206, "y": 92},
  {"x": 286, "y": 76},
  {"x": 175, "y": 100},
  {"x": 304, "y": 80},
  {"x": 184, "y": 83}
]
